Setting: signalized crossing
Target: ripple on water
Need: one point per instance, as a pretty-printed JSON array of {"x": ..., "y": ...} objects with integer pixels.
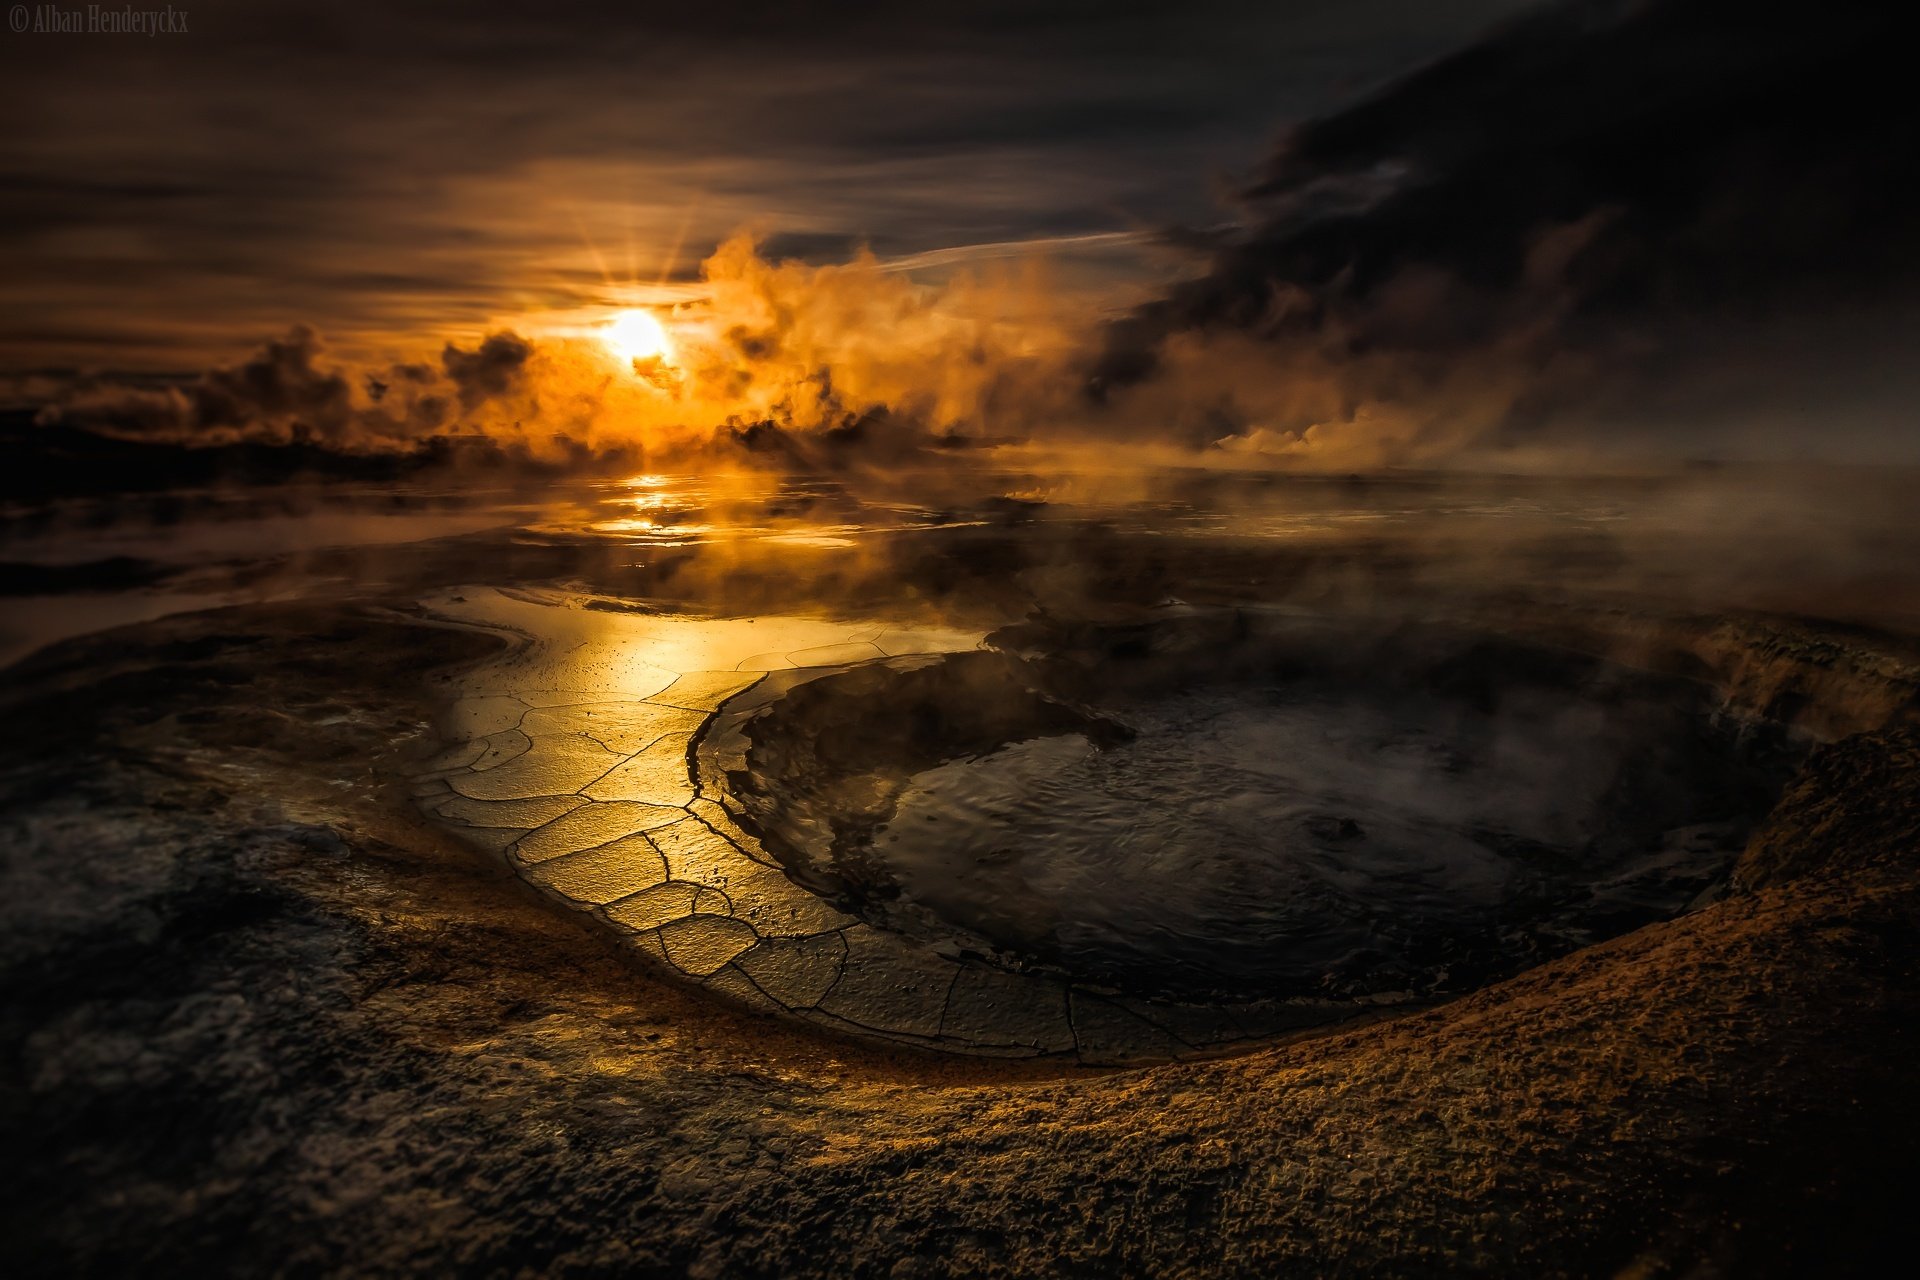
[{"x": 1291, "y": 836}]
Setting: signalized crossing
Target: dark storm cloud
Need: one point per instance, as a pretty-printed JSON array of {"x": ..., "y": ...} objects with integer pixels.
[
  {"x": 492, "y": 369},
  {"x": 433, "y": 166},
  {"x": 291, "y": 391},
  {"x": 282, "y": 383},
  {"x": 1599, "y": 206}
]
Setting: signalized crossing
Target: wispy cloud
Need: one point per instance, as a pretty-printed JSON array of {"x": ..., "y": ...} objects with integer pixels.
[{"x": 429, "y": 170}]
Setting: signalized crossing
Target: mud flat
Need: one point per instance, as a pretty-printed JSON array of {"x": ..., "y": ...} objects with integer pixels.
[
  {"x": 263, "y": 1014},
  {"x": 1110, "y": 842}
]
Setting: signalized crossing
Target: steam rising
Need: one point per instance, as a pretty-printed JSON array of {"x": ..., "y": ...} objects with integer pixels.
[
  {"x": 1608, "y": 219},
  {"x": 774, "y": 356},
  {"x": 1607, "y": 227}
]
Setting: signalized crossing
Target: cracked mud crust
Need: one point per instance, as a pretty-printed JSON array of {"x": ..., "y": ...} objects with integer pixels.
[
  {"x": 645, "y": 770},
  {"x": 616, "y": 807},
  {"x": 258, "y": 1019}
]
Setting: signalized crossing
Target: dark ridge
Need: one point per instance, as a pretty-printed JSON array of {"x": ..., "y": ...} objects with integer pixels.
[{"x": 51, "y": 460}]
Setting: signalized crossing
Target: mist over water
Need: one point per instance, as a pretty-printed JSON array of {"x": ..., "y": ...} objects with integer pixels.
[
  {"x": 1835, "y": 542},
  {"x": 1271, "y": 836}
]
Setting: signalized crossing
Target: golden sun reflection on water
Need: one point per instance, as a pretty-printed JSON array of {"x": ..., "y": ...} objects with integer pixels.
[
  {"x": 576, "y": 649},
  {"x": 661, "y": 510}
]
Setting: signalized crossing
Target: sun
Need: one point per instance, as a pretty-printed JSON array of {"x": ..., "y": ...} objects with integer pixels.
[{"x": 638, "y": 336}]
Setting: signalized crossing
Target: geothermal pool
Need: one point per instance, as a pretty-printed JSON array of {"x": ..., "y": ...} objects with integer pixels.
[
  {"x": 1122, "y": 841},
  {"x": 1258, "y": 806}
]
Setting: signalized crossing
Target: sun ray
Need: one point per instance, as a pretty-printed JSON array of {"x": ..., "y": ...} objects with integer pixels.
[
  {"x": 599, "y": 262},
  {"x": 672, "y": 258}
]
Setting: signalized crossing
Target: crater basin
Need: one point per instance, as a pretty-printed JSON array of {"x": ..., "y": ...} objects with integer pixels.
[{"x": 1230, "y": 808}]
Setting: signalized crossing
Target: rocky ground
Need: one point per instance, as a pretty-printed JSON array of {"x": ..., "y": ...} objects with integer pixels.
[{"x": 259, "y": 1018}]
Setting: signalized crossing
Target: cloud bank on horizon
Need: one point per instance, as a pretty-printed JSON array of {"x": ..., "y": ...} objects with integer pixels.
[
  {"x": 778, "y": 361},
  {"x": 1664, "y": 225},
  {"x": 1670, "y": 227}
]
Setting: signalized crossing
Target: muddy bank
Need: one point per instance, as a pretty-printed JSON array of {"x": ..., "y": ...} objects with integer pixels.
[{"x": 259, "y": 1018}]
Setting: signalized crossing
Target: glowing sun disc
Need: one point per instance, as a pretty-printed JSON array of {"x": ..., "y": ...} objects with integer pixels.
[{"x": 637, "y": 335}]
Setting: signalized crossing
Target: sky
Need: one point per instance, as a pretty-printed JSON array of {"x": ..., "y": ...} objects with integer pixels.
[
  {"x": 1329, "y": 233},
  {"x": 393, "y": 175}
]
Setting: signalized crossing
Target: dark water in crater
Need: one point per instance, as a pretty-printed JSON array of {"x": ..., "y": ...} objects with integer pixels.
[{"x": 1323, "y": 835}]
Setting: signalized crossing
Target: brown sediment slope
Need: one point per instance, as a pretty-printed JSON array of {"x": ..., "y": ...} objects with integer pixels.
[{"x": 258, "y": 1018}]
